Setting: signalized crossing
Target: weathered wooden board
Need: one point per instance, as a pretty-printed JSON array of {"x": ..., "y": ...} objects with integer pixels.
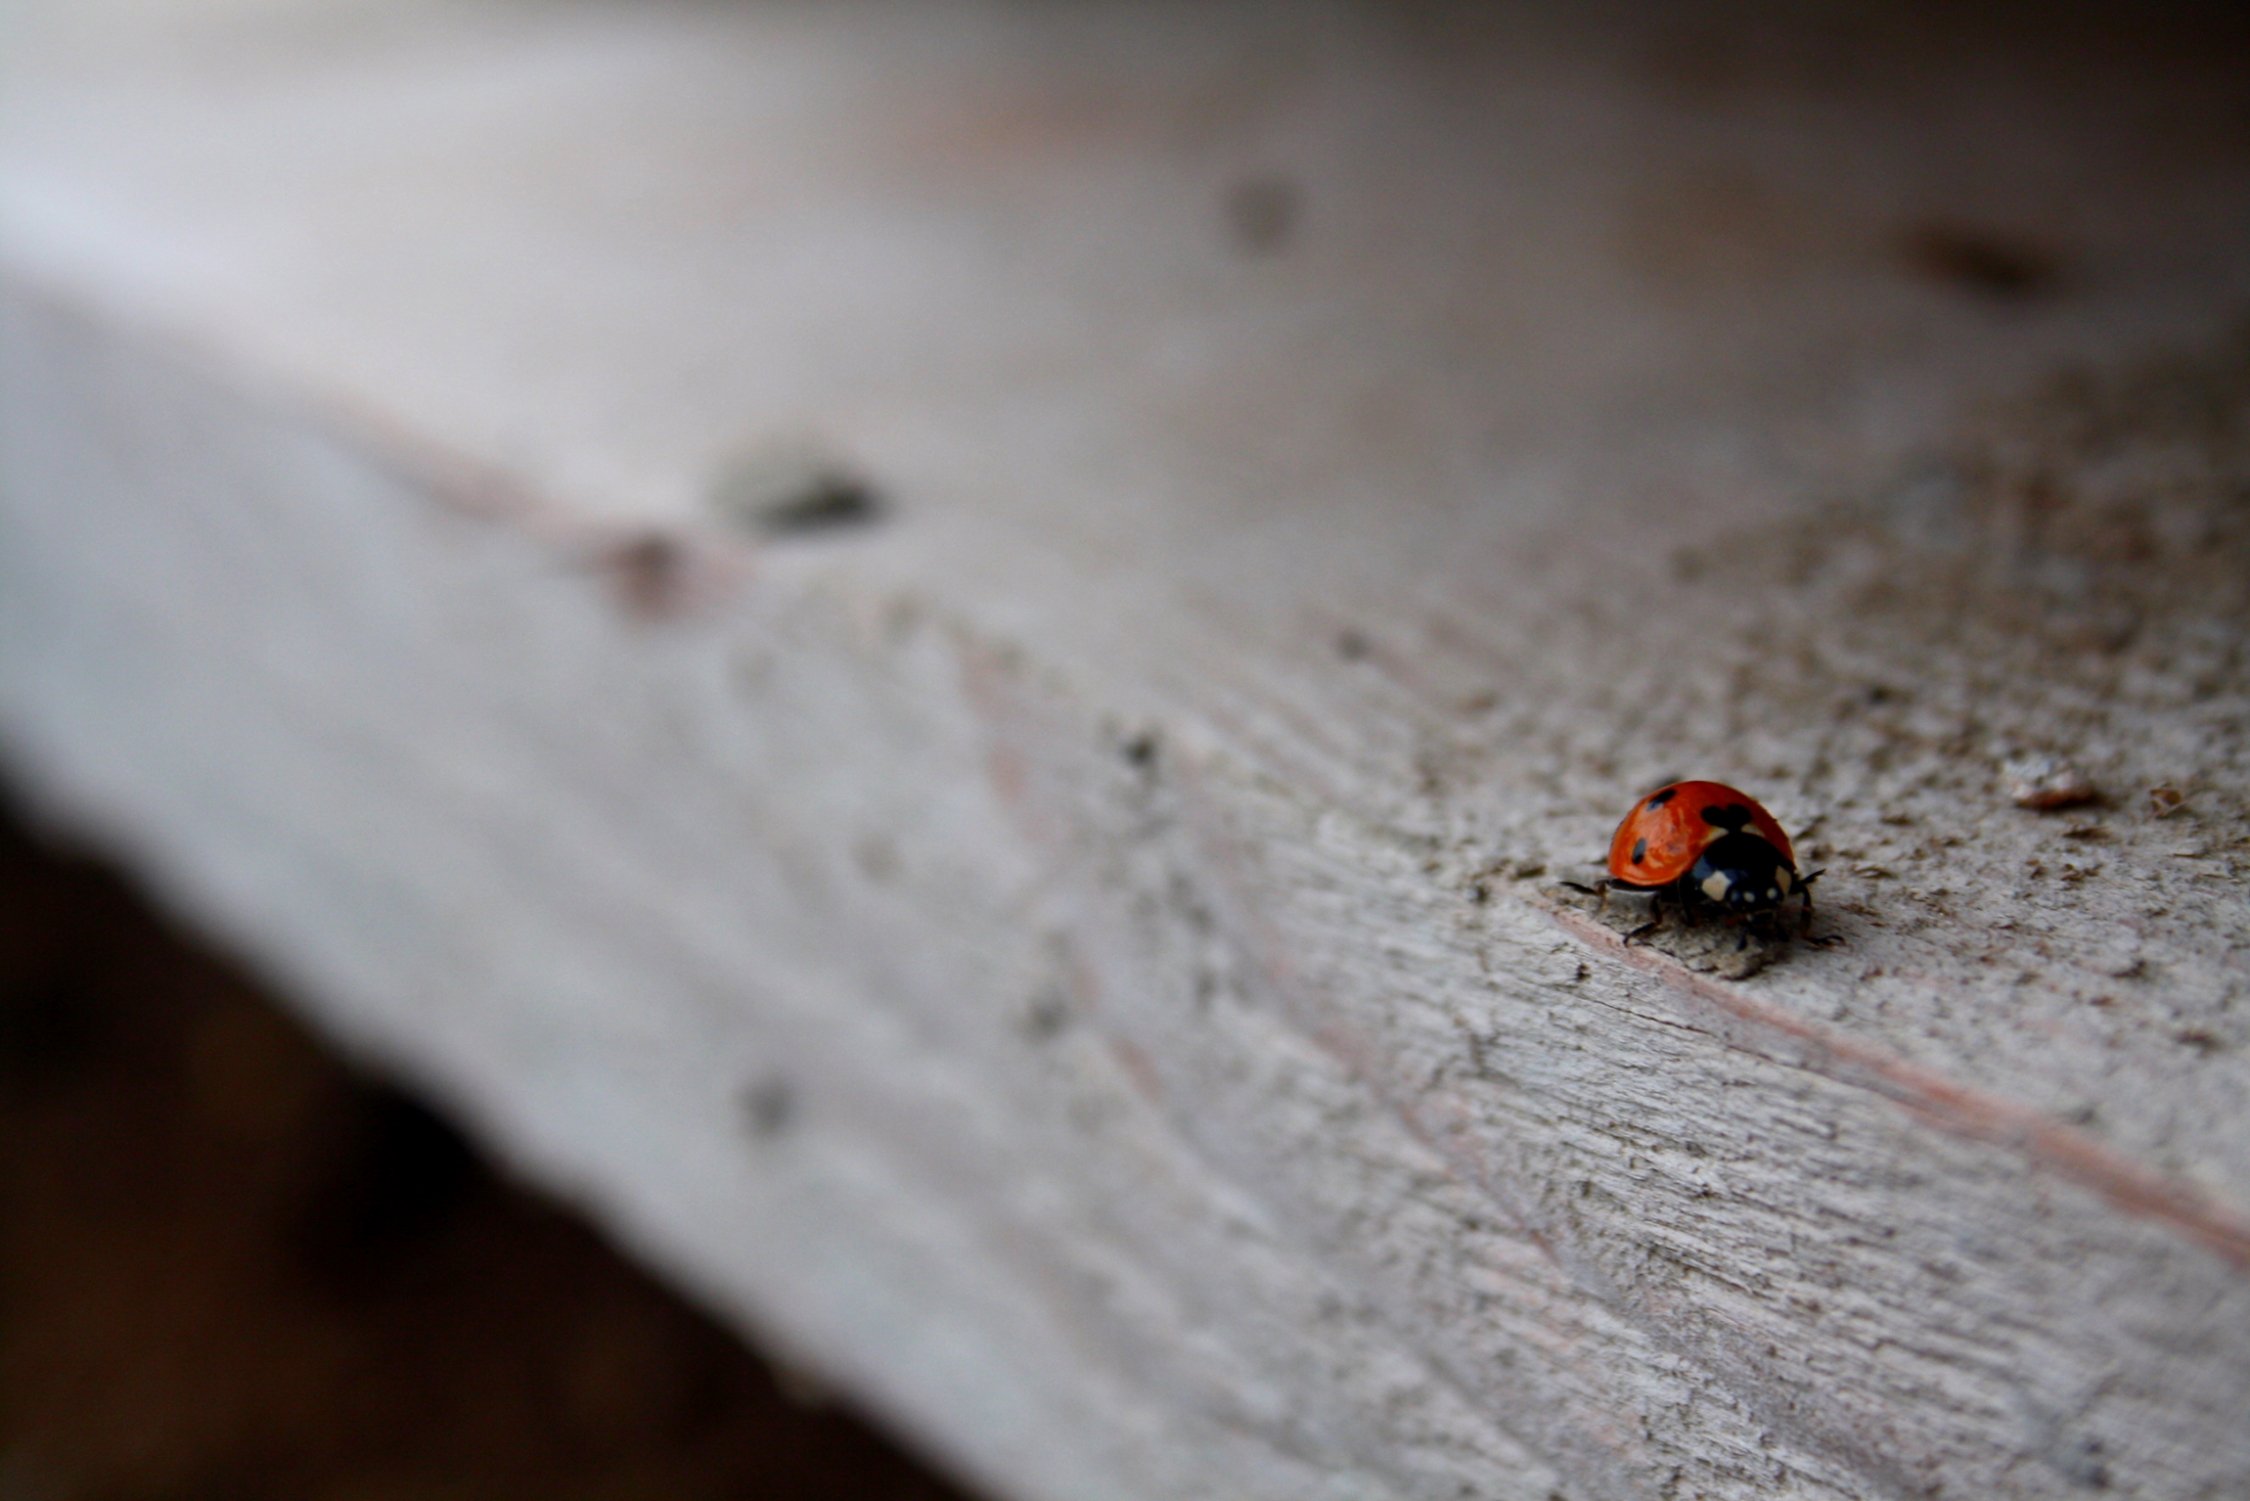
[{"x": 1076, "y": 950}]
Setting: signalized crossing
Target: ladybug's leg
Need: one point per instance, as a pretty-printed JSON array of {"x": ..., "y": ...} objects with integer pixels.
[
  {"x": 1740, "y": 922},
  {"x": 1655, "y": 920},
  {"x": 1600, "y": 890}
]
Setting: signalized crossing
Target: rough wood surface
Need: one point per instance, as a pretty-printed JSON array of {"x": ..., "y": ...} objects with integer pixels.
[{"x": 1076, "y": 950}]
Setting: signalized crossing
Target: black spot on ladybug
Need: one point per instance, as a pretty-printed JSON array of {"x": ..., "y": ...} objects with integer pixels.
[
  {"x": 1659, "y": 799},
  {"x": 1640, "y": 851},
  {"x": 1733, "y": 818},
  {"x": 397, "y": 1176},
  {"x": 47, "y": 1031}
]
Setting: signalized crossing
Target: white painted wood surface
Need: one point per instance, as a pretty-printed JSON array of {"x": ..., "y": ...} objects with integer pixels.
[{"x": 1079, "y": 958}]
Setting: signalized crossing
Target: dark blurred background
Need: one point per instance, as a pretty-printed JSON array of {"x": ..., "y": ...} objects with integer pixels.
[{"x": 230, "y": 1267}]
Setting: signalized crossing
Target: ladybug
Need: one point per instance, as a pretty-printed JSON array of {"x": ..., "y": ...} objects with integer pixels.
[{"x": 1703, "y": 845}]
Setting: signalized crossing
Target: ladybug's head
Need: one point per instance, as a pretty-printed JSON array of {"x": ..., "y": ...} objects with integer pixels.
[{"x": 1744, "y": 873}]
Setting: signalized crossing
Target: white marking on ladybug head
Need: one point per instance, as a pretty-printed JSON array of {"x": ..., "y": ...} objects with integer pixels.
[{"x": 1717, "y": 884}]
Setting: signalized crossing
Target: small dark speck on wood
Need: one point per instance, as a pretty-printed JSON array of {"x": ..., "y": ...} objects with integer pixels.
[
  {"x": 1045, "y": 1016},
  {"x": 2047, "y": 783},
  {"x": 1262, "y": 213},
  {"x": 790, "y": 494},
  {"x": 1987, "y": 264},
  {"x": 769, "y": 1106},
  {"x": 652, "y": 573}
]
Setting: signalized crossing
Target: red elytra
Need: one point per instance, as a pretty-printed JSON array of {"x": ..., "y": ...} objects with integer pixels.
[{"x": 1668, "y": 830}]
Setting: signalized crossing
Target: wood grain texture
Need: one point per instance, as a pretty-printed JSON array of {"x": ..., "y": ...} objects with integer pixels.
[{"x": 1080, "y": 953}]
